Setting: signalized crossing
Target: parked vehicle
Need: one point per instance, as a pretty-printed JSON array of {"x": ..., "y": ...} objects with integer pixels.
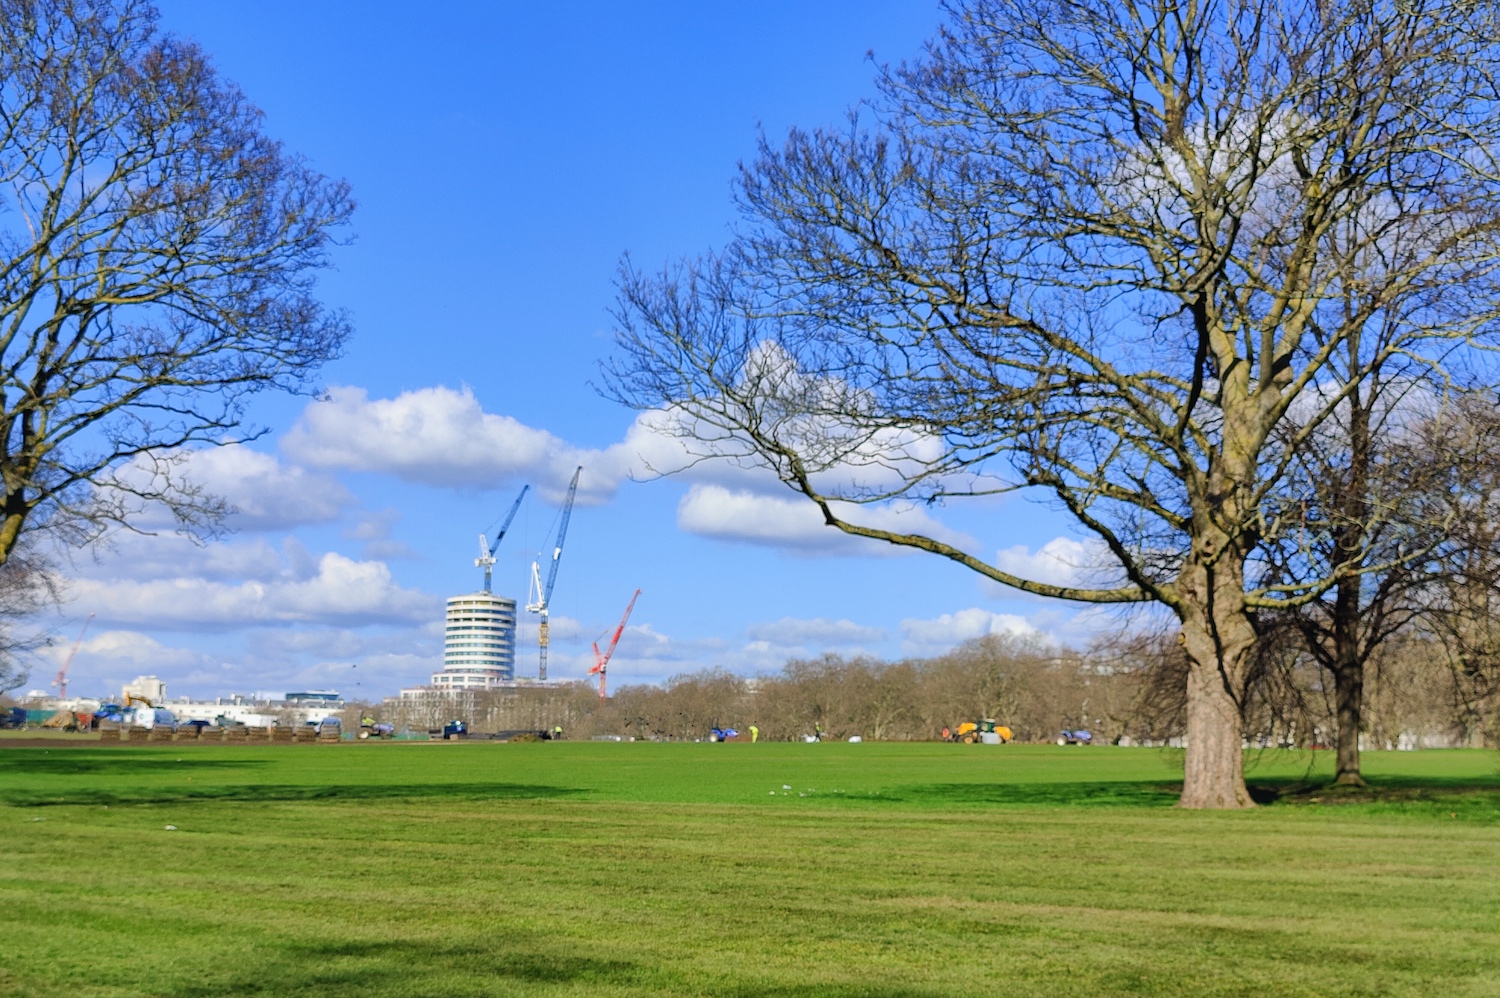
[{"x": 1075, "y": 737}]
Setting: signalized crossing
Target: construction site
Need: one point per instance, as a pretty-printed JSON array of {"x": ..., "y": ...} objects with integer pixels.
[
  {"x": 476, "y": 693},
  {"x": 480, "y": 628}
]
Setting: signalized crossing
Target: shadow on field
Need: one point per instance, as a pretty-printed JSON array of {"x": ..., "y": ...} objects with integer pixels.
[
  {"x": 112, "y": 761},
  {"x": 1119, "y": 794},
  {"x": 1437, "y": 792},
  {"x": 394, "y": 966},
  {"x": 272, "y": 792},
  {"x": 418, "y": 967}
]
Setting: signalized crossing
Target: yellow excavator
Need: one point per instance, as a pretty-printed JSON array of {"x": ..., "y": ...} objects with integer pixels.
[{"x": 972, "y": 732}]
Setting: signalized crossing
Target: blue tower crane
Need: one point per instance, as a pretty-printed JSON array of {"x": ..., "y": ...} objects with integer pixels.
[{"x": 486, "y": 559}]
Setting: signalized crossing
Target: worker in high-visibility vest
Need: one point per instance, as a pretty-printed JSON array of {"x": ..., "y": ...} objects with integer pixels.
[{"x": 754, "y": 733}]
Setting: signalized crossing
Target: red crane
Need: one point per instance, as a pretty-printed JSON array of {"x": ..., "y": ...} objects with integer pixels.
[
  {"x": 61, "y": 682},
  {"x": 601, "y": 661}
]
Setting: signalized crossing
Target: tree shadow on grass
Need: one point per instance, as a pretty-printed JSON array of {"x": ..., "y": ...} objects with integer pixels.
[
  {"x": 116, "y": 761},
  {"x": 1436, "y": 792},
  {"x": 1406, "y": 794},
  {"x": 273, "y": 792},
  {"x": 1113, "y": 794},
  {"x": 407, "y": 967},
  {"x": 398, "y": 966}
]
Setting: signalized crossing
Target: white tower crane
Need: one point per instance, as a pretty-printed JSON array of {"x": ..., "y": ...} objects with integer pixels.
[{"x": 539, "y": 598}]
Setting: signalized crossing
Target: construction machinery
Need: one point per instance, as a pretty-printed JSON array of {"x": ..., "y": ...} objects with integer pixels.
[
  {"x": 61, "y": 682},
  {"x": 539, "y": 598},
  {"x": 371, "y": 728},
  {"x": 601, "y": 661},
  {"x": 486, "y": 559},
  {"x": 983, "y": 731},
  {"x": 67, "y": 720}
]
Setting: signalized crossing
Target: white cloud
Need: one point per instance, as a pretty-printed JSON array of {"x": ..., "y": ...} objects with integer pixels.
[
  {"x": 127, "y": 647},
  {"x": 791, "y": 632},
  {"x": 265, "y": 493},
  {"x": 1062, "y": 561},
  {"x": 940, "y": 633},
  {"x": 795, "y": 523},
  {"x": 169, "y": 556},
  {"x": 262, "y": 492},
  {"x": 443, "y": 437},
  {"x": 341, "y": 591},
  {"x": 439, "y": 436}
]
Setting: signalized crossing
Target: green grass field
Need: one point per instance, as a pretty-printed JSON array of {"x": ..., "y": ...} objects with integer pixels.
[{"x": 647, "y": 869}]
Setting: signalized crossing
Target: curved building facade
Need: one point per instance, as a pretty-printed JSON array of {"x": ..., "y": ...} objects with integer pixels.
[{"x": 479, "y": 643}]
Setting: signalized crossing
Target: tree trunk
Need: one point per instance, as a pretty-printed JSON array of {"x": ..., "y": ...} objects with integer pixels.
[
  {"x": 1349, "y": 696},
  {"x": 1214, "y": 773},
  {"x": 1349, "y": 608},
  {"x": 1218, "y": 636}
]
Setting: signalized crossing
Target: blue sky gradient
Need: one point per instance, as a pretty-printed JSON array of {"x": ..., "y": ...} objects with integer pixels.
[{"x": 504, "y": 157}]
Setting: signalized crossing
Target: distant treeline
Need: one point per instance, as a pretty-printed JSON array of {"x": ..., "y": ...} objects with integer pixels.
[{"x": 1122, "y": 690}]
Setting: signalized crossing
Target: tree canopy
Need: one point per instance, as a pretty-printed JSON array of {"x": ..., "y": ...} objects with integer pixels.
[{"x": 157, "y": 261}]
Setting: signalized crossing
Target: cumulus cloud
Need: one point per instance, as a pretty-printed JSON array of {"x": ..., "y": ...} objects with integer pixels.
[
  {"x": 168, "y": 556},
  {"x": 265, "y": 493},
  {"x": 940, "y": 633},
  {"x": 340, "y": 591},
  {"x": 128, "y": 647},
  {"x": 1062, "y": 561},
  {"x": 792, "y": 632},
  {"x": 441, "y": 436},
  {"x": 794, "y": 523},
  {"x": 262, "y": 492}
]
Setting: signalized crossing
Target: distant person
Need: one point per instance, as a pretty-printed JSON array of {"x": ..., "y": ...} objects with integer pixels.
[
  {"x": 754, "y": 734},
  {"x": 818, "y": 730},
  {"x": 947, "y": 734},
  {"x": 557, "y": 733}
]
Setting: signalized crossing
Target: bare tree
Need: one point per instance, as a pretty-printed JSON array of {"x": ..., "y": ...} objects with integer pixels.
[
  {"x": 1396, "y": 497},
  {"x": 157, "y": 258},
  {"x": 27, "y": 585},
  {"x": 1103, "y": 252}
]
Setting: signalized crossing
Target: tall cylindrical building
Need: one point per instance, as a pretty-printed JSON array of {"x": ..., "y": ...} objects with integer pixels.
[{"x": 479, "y": 643}]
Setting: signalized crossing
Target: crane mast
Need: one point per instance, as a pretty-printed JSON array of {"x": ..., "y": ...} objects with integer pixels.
[
  {"x": 486, "y": 559},
  {"x": 541, "y": 596},
  {"x": 61, "y": 681},
  {"x": 601, "y": 662}
]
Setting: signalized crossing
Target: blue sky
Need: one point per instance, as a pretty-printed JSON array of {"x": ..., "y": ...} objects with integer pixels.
[{"x": 504, "y": 156}]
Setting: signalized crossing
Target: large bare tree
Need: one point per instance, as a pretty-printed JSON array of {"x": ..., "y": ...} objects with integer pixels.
[
  {"x": 1105, "y": 252},
  {"x": 157, "y": 256}
]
